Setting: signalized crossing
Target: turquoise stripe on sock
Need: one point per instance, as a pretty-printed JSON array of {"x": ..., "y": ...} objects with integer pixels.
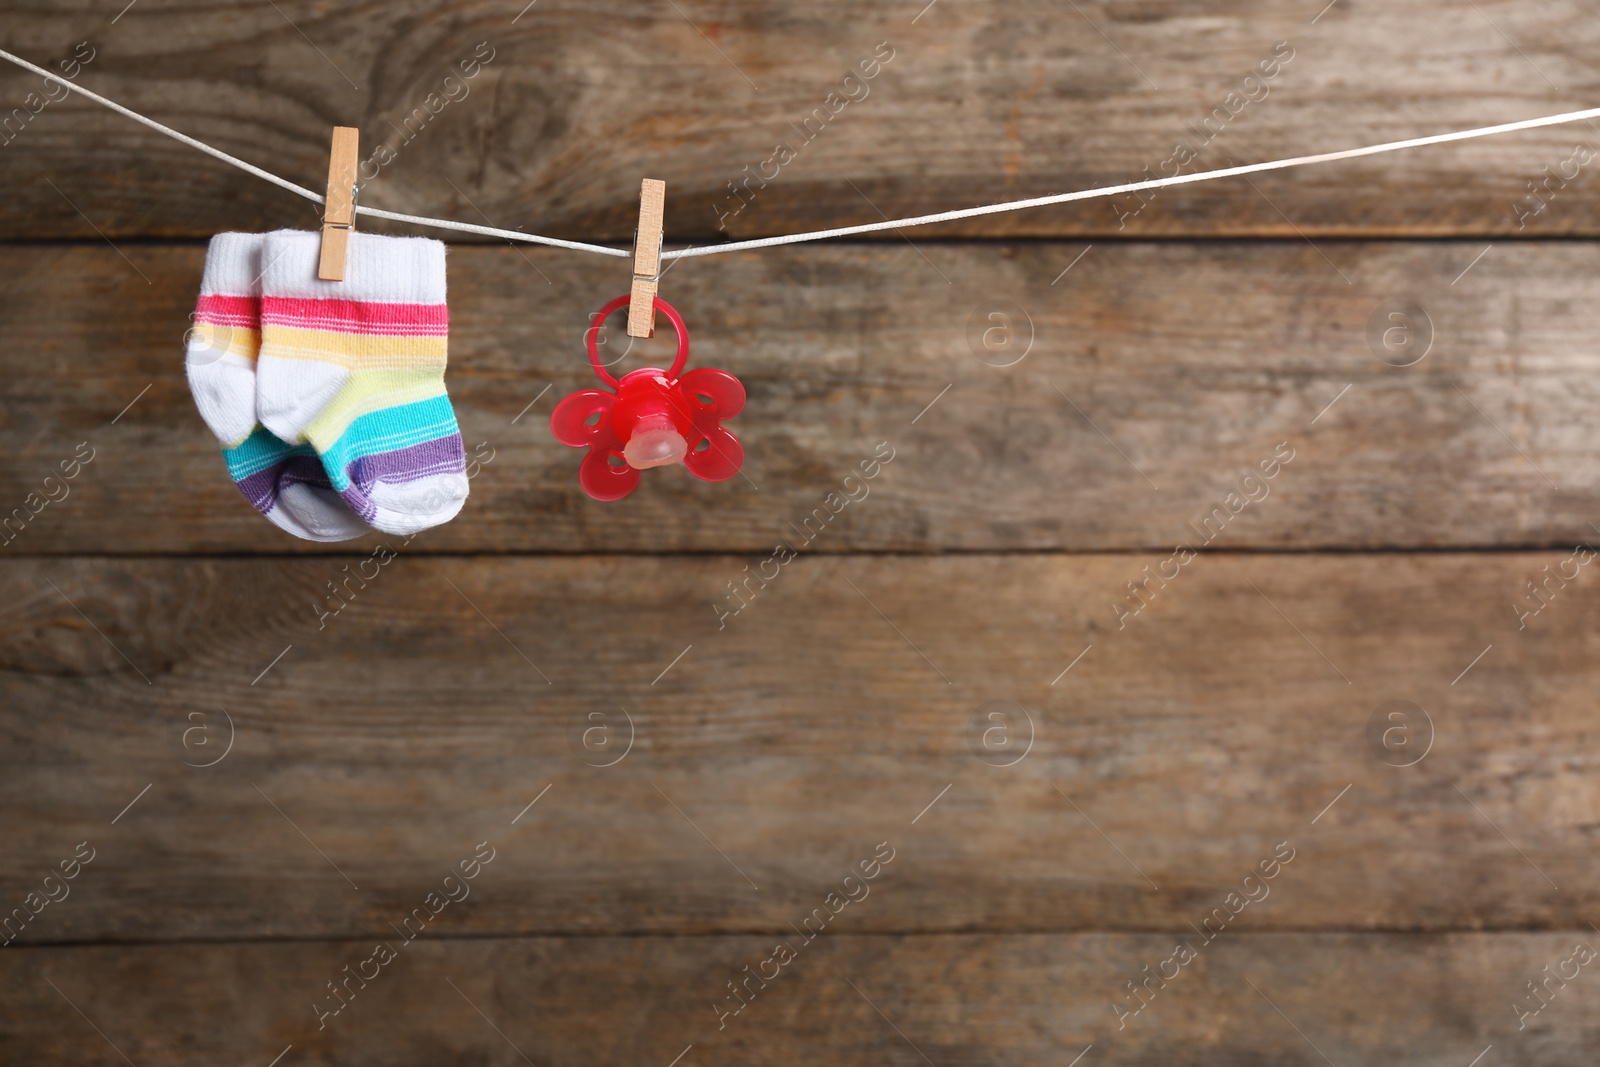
[
  {"x": 388, "y": 430},
  {"x": 258, "y": 452}
]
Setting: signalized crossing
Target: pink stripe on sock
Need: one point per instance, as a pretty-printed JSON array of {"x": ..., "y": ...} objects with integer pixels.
[
  {"x": 357, "y": 316},
  {"x": 242, "y": 311}
]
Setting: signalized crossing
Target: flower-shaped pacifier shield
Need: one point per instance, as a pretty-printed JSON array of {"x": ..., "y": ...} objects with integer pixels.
[{"x": 650, "y": 418}]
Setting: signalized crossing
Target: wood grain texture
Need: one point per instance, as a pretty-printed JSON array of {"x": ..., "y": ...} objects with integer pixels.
[
  {"x": 1426, "y": 1001},
  {"x": 1342, "y": 750},
  {"x": 1158, "y": 376},
  {"x": 980, "y": 102},
  {"x": 1230, "y": 717}
]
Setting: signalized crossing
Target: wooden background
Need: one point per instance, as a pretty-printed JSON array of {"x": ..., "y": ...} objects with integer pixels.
[{"x": 1141, "y": 768}]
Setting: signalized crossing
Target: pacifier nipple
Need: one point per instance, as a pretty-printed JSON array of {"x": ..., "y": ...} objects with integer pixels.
[{"x": 655, "y": 443}]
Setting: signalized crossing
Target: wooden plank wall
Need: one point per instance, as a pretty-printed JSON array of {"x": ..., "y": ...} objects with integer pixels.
[{"x": 964, "y": 783}]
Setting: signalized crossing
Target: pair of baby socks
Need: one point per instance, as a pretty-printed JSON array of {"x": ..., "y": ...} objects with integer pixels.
[{"x": 329, "y": 397}]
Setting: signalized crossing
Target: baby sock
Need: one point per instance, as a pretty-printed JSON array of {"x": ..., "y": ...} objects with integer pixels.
[
  {"x": 287, "y": 484},
  {"x": 221, "y": 351},
  {"x": 356, "y": 369},
  {"x": 283, "y": 482}
]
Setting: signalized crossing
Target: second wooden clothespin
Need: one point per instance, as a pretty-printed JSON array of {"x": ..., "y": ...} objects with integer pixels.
[
  {"x": 647, "y": 258},
  {"x": 339, "y": 208}
]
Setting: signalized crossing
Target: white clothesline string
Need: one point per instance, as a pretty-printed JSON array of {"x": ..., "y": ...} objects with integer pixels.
[
  {"x": 284, "y": 183},
  {"x": 838, "y": 231}
]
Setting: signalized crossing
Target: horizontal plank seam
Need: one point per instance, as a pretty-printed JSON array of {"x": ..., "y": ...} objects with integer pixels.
[
  {"x": 910, "y": 932},
  {"x": 886, "y": 553}
]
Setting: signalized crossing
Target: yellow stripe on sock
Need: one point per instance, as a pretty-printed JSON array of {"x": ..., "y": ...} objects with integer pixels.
[
  {"x": 229, "y": 340},
  {"x": 368, "y": 391},
  {"x": 357, "y": 352}
]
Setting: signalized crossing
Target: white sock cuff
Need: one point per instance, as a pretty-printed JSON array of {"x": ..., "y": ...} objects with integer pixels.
[
  {"x": 378, "y": 269},
  {"x": 233, "y": 265}
]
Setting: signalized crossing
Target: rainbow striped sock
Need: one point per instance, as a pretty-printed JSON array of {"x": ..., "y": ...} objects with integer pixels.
[
  {"x": 284, "y": 482},
  {"x": 287, "y": 484},
  {"x": 356, "y": 369}
]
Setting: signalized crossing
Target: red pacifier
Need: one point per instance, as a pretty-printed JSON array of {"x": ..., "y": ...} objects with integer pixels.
[{"x": 653, "y": 418}]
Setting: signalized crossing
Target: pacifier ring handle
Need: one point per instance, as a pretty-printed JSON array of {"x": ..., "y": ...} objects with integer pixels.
[{"x": 592, "y": 338}]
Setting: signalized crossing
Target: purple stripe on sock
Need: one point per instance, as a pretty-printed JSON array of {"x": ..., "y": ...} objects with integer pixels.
[
  {"x": 261, "y": 489},
  {"x": 448, "y": 466},
  {"x": 443, "y": 455},
  {"x": 361, "y": 504},
  {"x": 264, "y": 487},
  {"x": 306, "y": 470}
]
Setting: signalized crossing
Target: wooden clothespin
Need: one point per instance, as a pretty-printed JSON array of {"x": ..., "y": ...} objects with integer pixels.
[
  {"x": 647, "y": 258},
  {"x": 339, "y": 209}
]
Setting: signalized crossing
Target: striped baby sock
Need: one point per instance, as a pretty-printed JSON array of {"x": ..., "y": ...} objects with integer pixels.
[
  {"x": 220, "y": 355},
  {"x": 285, "y": 483},
  {"x": 356, "y": 369}
]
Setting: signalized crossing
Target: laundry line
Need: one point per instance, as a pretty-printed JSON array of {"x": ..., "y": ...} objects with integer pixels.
[{"x": 1096, "y": 192}]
